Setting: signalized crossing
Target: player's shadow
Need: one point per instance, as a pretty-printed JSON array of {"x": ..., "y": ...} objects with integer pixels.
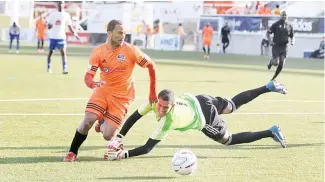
[
  {"x": 44, "y": 159},
  {"x": 140, "y": 178},
  {"x": 63, "y": 149},
  {"x": 199, "y": 157},
  {"x": 233, "y": 147}
]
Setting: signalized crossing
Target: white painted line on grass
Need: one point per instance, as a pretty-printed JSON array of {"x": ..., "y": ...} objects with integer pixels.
[
  {"x": 42, "y": 99},
  {"x": 279, "y": 100},
  {"x": 239, "y": 113}
]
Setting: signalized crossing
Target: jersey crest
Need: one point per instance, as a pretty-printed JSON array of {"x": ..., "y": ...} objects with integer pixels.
[{"x": 120, "y": 57}]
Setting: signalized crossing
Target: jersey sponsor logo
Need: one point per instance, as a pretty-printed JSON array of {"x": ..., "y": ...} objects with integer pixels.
[
  {"x": 106, "y": 70},
  {"x": 181, "y": 103},
  {"x": 58, "y": 22},
  {"x": 120, "y": 57}
]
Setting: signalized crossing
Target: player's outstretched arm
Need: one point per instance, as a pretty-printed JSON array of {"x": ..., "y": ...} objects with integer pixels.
[
  {"x": 144, "y": 149},
  {"x": 130, "y": 122},
  {"x": 161, "y": 132},
  {"x": 117, "y": 142},
  {"x": 74, "y": 31},
  {"x": 123, "y": 154},
  {"x": 271, "y": 30},
  {"x": 145, "y": 62},
  {"x": 92, "y": 69},
  {"x": 153, "y": 79},
  {"x": 291, "y": 35}
]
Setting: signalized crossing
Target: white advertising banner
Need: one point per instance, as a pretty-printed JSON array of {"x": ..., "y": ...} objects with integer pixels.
[
  {"x": 138, "y": 40},
  {"x": 131, "y": 15},
  {"x": 167, "y": 42},
  {"x": 26, "y": 35},
  {"x": 176, "y": 12}
]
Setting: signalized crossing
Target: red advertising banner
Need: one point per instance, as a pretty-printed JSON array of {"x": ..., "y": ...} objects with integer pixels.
[{"x": 84, "y": 38}]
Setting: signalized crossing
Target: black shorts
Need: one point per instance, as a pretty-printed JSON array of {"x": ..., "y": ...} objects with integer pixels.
[
  {"x": 265, "y": 42},
  {"x": 211, "y": 107},
  {"x": 279, "y": 50},
  {"x": 225, "y": 40}
]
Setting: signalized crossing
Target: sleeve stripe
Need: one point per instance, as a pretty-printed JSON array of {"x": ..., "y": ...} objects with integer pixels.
[
  {"x": 94, "y": 68},
  {"x": 143, "y": 62}
]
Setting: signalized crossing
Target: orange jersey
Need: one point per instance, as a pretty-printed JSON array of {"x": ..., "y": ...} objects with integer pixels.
[
  {"x": 207, "y": 33},
  {"x": 40, "y": 27},
  {"x": 116, "y": 68}
]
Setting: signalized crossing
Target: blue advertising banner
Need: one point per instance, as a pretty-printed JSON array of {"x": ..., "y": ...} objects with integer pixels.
[{"x": 256, "y": 23}]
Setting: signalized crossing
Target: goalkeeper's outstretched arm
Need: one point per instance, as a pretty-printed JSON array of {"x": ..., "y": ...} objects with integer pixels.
[
  {"x": 143, "y": 110},
  {"x": 130, "y": 122},
  {"x": 145, "y": 149}
]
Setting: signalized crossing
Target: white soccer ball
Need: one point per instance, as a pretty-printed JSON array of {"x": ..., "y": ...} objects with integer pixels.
[{"x": 184, "y": 162}]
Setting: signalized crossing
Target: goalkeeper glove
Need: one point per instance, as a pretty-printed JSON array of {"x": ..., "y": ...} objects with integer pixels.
[
  {"x": 116, "y": 155},
  {"x": 116, "y": 142}
]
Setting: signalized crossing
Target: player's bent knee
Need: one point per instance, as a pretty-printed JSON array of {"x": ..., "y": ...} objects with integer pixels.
[
  {"x": 275, "y": 62},
  {"x": 108, "y": 130},
  {"x": 108, "y": 136},
  {"x": 226, "y": 138},
  {"x": 231, "y": 107},
  {"x": 88, "y": 122}
]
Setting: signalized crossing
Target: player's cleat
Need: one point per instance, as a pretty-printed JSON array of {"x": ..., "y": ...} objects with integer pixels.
[
  {"x": 17, "y": 52},
  {"x": 65, "y": 71},
  {"x": 9, "y": 51},
  {"x": 205, "y": 56},
  {"x": 70, "y": 157},
  {"x": 276, "y": 87},
  {"x": 277, "y": 135},
  {"x": 97, "y": 126},
  {"x": 49, "y": 70},
  {"x": 208, "y": 57}
]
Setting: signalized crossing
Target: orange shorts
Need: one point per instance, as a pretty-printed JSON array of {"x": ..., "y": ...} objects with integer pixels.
[
  {"x": 108, "y": 107},
  {"x": 41, "y": 37},
  {"x": 206, "y": 42}
]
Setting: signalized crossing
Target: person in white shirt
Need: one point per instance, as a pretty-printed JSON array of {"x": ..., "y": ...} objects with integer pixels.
[{"x": 57, "y": 22}]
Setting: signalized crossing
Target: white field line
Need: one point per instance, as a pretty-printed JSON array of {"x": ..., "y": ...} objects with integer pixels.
[
  {"x": 239, "y": 113},
  {"x": 73, "y": 99}
]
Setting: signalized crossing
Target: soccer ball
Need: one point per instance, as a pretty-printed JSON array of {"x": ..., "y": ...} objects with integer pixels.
[{"x": 184, "y": 162}]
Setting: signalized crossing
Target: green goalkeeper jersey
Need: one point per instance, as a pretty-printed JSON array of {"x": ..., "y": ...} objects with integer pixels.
[{"x": 185, "y": 115}]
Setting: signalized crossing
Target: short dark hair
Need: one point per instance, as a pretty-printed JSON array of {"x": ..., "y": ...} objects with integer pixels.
[
  {"x": 111, "y": 25},
  {"x": 277, "y": 6},
  {"x": 167, "y": 95}
]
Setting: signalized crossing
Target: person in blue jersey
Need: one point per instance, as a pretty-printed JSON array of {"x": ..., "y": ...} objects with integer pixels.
[
  {"x": 200, "y": 112},
  {"x": 14, "y": 33}
]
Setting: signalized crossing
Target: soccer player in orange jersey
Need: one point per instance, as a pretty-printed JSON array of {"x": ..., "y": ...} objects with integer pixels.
[
  {"x": 40, "y": 33},
  {"x": 112, "y": 95},
  {"x": 207, "y": 35}
]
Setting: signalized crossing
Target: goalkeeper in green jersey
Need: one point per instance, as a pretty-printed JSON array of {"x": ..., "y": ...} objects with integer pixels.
[{"x": 200, "y": 112}]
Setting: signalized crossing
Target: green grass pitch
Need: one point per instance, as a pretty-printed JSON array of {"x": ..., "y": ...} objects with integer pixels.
[{"x": 36, "y": 134}]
